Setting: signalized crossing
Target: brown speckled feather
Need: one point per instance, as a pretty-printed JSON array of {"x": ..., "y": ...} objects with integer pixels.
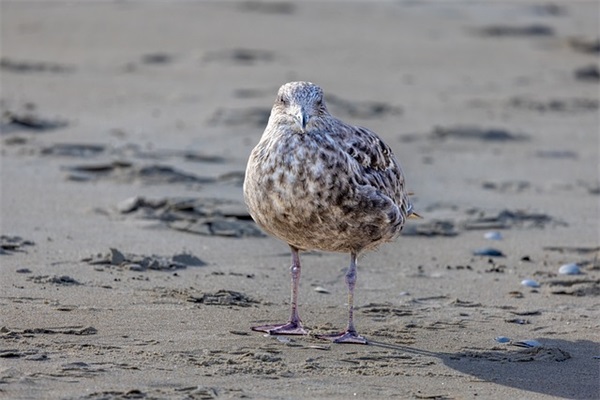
[{"x": 318, "y": 183}]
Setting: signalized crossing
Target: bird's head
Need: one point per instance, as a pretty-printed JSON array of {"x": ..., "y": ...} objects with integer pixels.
[{"x": 299, "y": 103}]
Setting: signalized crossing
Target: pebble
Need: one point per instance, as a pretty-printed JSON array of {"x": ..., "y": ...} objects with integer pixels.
[
  {"x": 116, "y": 257},
  {"x": 569, "y": 269},
  {"x": 519, "y": 321},
  {"x": 530, "y": 283},
  {"x": 493, "y": 235},
  {"x": 488, "y": 252},
  {"x": 135, "y": 267},
  {"x": 587, "y": 73}
]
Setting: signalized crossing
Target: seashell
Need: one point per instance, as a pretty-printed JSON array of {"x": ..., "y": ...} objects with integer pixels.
[
  {"x": 502, "y": 339},
  {"x": 569, "y": 269},
  {"x": 129, "y": 205},
  {"x": 493, "y": 235},
  {"x": 319, "y": 347},
  {"x": 530, "y": 283},
  {"x": 320, "y": 289}
]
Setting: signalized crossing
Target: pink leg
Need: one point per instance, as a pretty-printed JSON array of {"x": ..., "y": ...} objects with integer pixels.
[
  {"x": 350, "y": 335},
  {"x": 294, "y": 325}
]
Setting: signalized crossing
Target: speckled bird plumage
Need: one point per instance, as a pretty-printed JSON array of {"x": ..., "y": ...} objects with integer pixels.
[
  {"x": 316, "y": 182},
  {"x": 330, "y": 186}
]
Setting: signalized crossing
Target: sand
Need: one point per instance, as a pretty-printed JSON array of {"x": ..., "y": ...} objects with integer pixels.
[{"x": 130, "y": 267}]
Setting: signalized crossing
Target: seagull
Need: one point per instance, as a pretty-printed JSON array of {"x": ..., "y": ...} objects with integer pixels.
[{"x": 317, "y": 183}]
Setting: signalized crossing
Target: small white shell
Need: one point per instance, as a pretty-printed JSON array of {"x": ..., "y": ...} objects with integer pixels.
[
  {"x": 493, "y": 235},
  {"x": 530, "y": 283},
  {"x": 129, "y": 205},
  {"x": 320, "y": 289},
  {"x": 569, "y": 269}
]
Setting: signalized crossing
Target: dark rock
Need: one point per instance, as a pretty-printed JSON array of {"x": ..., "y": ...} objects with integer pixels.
[
  {"x": 465, "y": 132},
  {"x": 589, "y": 73},
  {"x": 534, "y": 30},
  {"x": 488, "y": 252}
]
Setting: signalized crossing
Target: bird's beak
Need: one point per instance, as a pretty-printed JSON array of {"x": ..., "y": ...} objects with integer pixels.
[{"x": 301, "y": 118}]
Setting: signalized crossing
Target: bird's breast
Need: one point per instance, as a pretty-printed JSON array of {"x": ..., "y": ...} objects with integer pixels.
[
  {"x": 295, "y": 171},
  {"x": 295, "y": 179},
  {"x": 308, "y": 194}
]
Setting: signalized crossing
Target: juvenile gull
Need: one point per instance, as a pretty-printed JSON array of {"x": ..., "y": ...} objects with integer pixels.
[{"x": 318, "y": 183}]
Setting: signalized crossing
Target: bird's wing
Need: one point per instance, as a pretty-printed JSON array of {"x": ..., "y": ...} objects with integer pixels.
[
  {"x": 377, "y": 165},
  {"x": 369, "y": 150}
]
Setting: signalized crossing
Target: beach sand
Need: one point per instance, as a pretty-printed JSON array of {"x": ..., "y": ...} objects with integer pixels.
[{"x": 131, "y": 269}]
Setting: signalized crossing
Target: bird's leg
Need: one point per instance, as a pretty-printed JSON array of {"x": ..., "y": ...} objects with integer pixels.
[
  {"x": 350, "y": 335},
  {"x": 294, "y": 325}
]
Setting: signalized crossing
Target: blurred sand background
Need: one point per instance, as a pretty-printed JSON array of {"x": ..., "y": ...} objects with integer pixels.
[{"x": 130, "y": 268}]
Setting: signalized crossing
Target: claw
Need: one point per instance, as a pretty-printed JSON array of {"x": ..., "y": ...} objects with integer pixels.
[
  {"x": 282, "y": 329},
  {"x": 346, "y": 337}
]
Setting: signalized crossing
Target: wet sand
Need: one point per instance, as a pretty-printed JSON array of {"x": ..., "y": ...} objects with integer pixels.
[{"x": 131, "y": 269}]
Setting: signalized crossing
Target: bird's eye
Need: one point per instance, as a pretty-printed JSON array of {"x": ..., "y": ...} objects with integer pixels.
[{"x": 283, "y": 101}]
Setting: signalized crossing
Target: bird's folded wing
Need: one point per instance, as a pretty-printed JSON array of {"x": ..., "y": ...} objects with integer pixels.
[
  {"x": 378, "y": 166},
  {"x": 369, "y": 150}
]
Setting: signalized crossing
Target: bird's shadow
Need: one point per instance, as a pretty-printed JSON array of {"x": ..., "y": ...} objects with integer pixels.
[{"x": 567, "y": 369}]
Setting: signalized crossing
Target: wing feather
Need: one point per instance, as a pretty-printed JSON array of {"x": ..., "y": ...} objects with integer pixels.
[{"x": 377, "y": 165}]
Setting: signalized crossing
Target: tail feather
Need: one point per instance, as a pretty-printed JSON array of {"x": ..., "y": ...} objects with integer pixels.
[
  {"x": 410, "y": 213},
  {"x": 414, "y": 215}
]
